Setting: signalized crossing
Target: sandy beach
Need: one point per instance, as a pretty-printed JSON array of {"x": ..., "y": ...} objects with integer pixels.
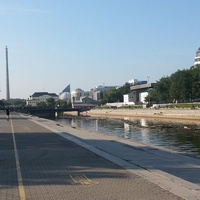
[{"x": 181, "y": 115}]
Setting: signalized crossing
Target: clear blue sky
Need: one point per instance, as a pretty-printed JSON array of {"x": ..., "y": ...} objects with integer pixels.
[{"x": 87, "y": 43}]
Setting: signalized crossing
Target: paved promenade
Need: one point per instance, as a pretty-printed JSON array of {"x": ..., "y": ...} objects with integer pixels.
[{"x": 41, "y": 159}]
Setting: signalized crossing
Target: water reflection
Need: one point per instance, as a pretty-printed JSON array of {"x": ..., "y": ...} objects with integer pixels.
[
  {"x": 96, "y": 125},
  {"x": 143, "y": 122},
  {"x": 126, "y": 130},
  {"x": 142, "y": 130},
  {"x": 145, "y": 136}
]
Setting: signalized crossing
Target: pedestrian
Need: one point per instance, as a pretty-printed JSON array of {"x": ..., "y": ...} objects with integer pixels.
[{"x": 8, "y": 113}]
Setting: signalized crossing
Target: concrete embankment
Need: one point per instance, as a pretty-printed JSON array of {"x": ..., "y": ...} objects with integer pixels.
[{"x": 168, "y": 114}]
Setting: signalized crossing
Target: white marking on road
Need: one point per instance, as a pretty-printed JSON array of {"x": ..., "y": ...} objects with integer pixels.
[{"x": 82, "y": 179}]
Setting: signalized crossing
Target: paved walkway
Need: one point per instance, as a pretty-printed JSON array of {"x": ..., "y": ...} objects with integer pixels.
[{"x": 37, "y": 163}]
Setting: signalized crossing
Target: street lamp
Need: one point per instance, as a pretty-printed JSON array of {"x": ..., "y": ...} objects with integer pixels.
[{"x": 148, "y": 88}]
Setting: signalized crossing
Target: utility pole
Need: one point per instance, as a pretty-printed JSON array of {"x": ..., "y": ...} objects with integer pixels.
[{"x": 7, "y": 77}]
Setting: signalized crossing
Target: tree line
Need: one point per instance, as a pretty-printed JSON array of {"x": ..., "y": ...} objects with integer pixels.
[
  {"x": 181, "y": 86},
  {"x": 48, "y": 103},
  {"x": 51, "y": 102}
]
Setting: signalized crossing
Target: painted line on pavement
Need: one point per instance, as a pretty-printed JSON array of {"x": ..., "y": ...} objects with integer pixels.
[
  {"x": 82, "y": 179},
  {"x": 19, "y": 174}
]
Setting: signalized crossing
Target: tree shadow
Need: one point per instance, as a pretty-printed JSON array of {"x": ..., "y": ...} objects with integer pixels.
[{"x": 46, "y": 158}]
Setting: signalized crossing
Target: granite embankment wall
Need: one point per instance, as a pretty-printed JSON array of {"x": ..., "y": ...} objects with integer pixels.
[{"x": 170, "y": 114}]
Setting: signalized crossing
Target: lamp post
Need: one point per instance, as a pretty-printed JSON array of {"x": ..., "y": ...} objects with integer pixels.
[{"x": 148, "y": 88}]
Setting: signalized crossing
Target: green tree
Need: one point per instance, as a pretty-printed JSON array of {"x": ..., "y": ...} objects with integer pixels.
[
  {"x": 50, "y": 102},
  {"x": 181, "y": 84},
  {"x": 41, "y": 104},
  {"x": 18, "y": 102},
  {"x": 161, "y": 90},
  {"x": 195, "y": 74},
  {"x": 152, "y": 96},
  {"x": 63, "y": 103},
  {"x": 115, "y": 95},
  {"x": 2, "y": 104}
]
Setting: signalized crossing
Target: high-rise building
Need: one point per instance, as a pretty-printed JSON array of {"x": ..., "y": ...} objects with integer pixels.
[
  {"x": 197, "y": 58},
  {"x": 7, "y": 77}
]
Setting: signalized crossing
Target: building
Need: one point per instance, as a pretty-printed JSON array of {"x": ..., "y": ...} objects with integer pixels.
[
  {"x": 130, "y": 97},
  {"x": 88, "y": 99},
  {"x": 95, "y": 93},
  {"x": 84, "y": 103},
  {"x": 142, "y": 97},
  {"x": 136, "y": 82},
  {"x": 138, "y": 93},
  {"x": 67, "y": 89},
  {"x": 66, "y": 94},
  {"x": 40, "y": 96},
  {"x": 197, "y": 58},
  {"x": 77, "y": 94},
  {"x": 98, "y": 91}
]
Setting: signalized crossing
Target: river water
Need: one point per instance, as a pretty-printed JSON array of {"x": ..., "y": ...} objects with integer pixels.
[{"x": 175, "y": 136}]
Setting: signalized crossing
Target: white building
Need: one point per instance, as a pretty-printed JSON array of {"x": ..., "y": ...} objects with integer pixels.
[
  {"x": 77, "y": 94},
  {"x": 40, "y": 96},
  {"x": 133, "y": 81},
  {"x": 143, "y": 96},
  {"x": 197, "y": 58},
  {"x": 66, "y": 94},
  {"x": 129, "y": 97}
]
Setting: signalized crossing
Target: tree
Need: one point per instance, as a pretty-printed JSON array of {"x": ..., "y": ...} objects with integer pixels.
[
  {"x": 115, "y": 95},
  {"x": 18, "y": 102},
  {"x": 195, "y": 75},
  {"x": 41, "y": 104},
  {"x": 152, "y": 96},
  {"x": 50, "y": 102},
  {"x": 63, "y": 103},
  {"x": 181, "y": 84},
  {"x": 161, "y": 90},
  {"x": 2, "y": 104}
]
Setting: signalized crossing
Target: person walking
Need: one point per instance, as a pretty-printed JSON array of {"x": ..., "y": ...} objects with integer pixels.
[{"x": 8, "y": 113}]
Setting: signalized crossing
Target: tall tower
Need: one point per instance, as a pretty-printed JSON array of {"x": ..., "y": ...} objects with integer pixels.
[{"x": 7, "y": 77}]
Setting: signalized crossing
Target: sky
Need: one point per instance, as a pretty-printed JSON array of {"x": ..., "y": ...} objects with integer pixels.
[{"x": 86, "y": 43}]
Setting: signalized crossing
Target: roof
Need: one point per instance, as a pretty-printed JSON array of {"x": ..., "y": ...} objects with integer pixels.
[
  {"x": 38, "y": 94},
  {"x": 67, "y": 89},
  {"x": 53, "y": 94}
]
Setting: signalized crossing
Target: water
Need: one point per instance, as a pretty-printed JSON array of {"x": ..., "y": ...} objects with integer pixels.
[{"x": 175, "y": 136}]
